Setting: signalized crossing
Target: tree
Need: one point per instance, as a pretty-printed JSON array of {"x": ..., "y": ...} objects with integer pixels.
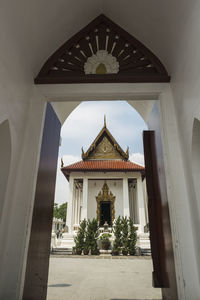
[
  {"x": 92, "y": 236},
  {"x": 60, "y": 212},
  {"x": 132, "y": 238},
  {"x": 125, "y": 241},
  {"x": 63, "y": 211},
  {"x": 118, "y": 235},
  {"x": 80, "y": 238},
  {"x": 55, "y": 211}
]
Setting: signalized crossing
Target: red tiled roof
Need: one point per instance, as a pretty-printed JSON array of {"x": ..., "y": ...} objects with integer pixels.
[{"x": 102, "y": 165}]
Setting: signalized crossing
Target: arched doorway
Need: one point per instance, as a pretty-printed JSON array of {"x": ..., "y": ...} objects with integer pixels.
[{"x": 132, "y": 62}]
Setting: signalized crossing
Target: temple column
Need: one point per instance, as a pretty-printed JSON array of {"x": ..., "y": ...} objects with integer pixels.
[
  {"x": 85, "y": 199},
  {"x": 79, "y": 204},
  {"x": 141, "y": 206},
  {"x": 75, "y": 206},
  {"x": 126, "y": 209},
  {"x": 70, "y": 205}
]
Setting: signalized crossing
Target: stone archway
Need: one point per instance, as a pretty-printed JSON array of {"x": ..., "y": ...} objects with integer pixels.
[{"x": 141, "y": 67}]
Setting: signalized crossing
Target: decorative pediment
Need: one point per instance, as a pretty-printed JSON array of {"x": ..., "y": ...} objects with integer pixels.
[
  {"x": 105, "y": 147},
  {"x": 102, "y": 52}
]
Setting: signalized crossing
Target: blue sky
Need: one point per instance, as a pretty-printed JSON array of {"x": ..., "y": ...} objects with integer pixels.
[{"x": 83, "y": 125}]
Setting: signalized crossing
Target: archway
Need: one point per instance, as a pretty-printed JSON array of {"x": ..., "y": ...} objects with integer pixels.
[{"x": 141, "y": 66}]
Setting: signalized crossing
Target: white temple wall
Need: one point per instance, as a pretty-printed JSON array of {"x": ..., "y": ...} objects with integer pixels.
[{"x": 23, "y": 109}]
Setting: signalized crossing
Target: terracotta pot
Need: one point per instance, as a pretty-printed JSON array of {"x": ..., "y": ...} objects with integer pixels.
[
  {"x": 124, "y": 252},
  {"x": 86, "y": 251},
  {"x": 105, "y": 245},
  {"x": 115, "y": 253},
  {"x": 78, "y": 251},
  {"x": 95, "y": 252}
]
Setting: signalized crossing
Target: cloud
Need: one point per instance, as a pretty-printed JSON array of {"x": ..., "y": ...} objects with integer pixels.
[
  {"x": 86, "y": 121},
  {"x": 137, "y": 158}
]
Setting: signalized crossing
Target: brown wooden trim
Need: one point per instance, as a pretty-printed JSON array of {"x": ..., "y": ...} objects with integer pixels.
[{"x": 107, "y": 78}]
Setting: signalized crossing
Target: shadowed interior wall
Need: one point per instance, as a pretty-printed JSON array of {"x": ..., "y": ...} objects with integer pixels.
[
  {"x": 170, "y": 292},
  {"x": 39, "y": 246},
  {"x": 5, "y": 157}
]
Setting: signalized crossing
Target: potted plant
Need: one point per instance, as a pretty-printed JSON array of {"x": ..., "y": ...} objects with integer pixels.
[
  {"x": 80, "y": 238},
  {"x": 86, "y": 248},
  {"x": 117, "y": 233},
  {"x": 132, "y": 238},
  {"x": 95, "y": 234},
  {"x": 105, "y": 241},
  {"x": 92, "y": 236},
  {"x": 124, "y": 223}
]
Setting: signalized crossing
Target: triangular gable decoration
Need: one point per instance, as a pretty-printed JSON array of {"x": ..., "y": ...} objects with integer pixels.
[
  {"x": 105, "y": 147},
  {"x": 102, "y": 52}
]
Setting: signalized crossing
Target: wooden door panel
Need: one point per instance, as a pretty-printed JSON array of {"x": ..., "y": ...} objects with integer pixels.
[
  {"x": 160, "y": 230},
  {"x": 155, "y": 211},
  {"x": 36, "y": 277}
]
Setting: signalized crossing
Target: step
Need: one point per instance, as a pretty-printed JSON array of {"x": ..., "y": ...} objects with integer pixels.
[
  {"x": 145, "y": 252},
  {"x": 61, "y": 251}
]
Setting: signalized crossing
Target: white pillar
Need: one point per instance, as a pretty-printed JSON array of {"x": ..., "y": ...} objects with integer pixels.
[
  {"x": 141, "y": 205},
  {"x": 69, "y": 204},
  {"x": 75, "y": 206},
  {"x": 126, "y": 209},
  {"x": 79, "y": 203},
  {"x": 85, "y": 199}
]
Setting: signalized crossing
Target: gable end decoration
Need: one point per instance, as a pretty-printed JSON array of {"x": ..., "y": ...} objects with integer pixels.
[
  {"x": 102, "y": 52},
  {"x": 105, "y": 147}
]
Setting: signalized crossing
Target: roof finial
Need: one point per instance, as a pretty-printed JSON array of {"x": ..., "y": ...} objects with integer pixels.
[
  {"x": 62, "y": 163},
  {"x": 104, "y": 120}
]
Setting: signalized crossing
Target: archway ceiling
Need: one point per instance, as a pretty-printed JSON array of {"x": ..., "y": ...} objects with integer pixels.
[{"x": 40, "y": 27}]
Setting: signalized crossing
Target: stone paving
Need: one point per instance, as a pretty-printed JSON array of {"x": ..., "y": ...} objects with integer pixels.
[{"x": 101, "y": 279}]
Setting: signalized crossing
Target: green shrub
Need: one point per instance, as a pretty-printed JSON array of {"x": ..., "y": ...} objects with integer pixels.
[
  {"x": 132, "y": 238},
  {"x": 80, "y": 238},
  {"x": 92, "y": 236},
  {"x": 117, "y": 233},
  {"x": 125, "y": 241}
]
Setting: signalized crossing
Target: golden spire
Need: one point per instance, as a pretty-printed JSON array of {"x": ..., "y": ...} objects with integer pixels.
[
  {"x": 104, "y": 120},
  {"x": 127, "y": 151}
]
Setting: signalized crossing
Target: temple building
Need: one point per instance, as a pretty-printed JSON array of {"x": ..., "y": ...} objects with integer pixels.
[{"x": 105, "y": 185}]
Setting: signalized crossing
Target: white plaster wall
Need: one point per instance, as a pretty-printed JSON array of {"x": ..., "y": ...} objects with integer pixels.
[
  {"x": 23, "y": 108},
  {"x": 95, "y": 186}
]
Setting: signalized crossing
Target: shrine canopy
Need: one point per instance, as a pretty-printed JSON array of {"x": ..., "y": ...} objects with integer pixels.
[{"x": 104, "y": 155}]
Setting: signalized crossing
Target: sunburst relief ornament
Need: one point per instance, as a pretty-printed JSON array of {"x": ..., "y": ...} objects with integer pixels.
[{"x": 101, "y": 63}]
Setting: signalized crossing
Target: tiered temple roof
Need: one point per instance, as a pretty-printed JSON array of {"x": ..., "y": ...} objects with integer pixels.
[{"x": 104, "y": 155}]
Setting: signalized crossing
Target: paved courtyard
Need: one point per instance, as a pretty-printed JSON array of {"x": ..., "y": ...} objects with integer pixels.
[{"x": 101, "y": 279}]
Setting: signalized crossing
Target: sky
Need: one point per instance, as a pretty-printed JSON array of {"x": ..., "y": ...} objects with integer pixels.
[{"x": 84, "y": 124}]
